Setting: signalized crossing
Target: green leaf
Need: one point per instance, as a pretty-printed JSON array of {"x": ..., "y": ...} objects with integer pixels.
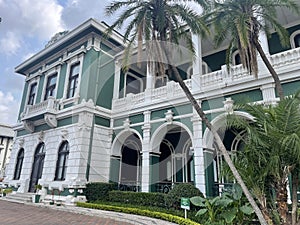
[
  {"x": 237, "y": 192},
  {"x": 223, "y": 202},
  {"x": 198, "y": 201},
  {"x": 246, "y": 209},
  {"x": 229, "y": 215},
  {"x": 201, "y": 212}
]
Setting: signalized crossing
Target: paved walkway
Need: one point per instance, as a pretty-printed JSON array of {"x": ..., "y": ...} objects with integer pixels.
[{"x": 40, "y": 214}]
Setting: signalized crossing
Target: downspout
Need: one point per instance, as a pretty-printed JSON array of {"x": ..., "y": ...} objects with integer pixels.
[{"x": 87, "y": 173}]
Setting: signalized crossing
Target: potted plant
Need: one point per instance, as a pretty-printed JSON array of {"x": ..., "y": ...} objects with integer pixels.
[
  {"x": 58, "y": 201},
  {"x": 52, "y": 201},
  {"x": 6, "y": 191},
  {"x": 36, "y": 197}
]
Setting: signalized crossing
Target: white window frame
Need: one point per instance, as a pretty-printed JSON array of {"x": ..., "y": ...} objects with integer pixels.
[
  {"x": 137, "y": 78},
  {"x": 71, "y": 62},
  {"x": 292, "y": 38},
  {"x": 236, "y": 52},
  {"x": 31, "y": 82},
  {"x": 47, "y": 75}
]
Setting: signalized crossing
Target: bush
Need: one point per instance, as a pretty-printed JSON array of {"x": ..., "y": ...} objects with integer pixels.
[
  {"x": 184, "y": 190},
  {"x": 138, "y": 198},
  {"x": 142, "y": 212},
  {"x": 98, "y": 191}
]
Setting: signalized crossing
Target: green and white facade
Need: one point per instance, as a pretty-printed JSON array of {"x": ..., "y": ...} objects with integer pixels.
[{"x": 82, "y": 119}]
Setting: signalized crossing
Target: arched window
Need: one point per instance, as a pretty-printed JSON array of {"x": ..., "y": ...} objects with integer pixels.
[
  {"x": 236, "y": 58},
  {"x": 19, "y": 164},
  {"x": 62, "y": 161},
  {"x": 295, "y": 39}
]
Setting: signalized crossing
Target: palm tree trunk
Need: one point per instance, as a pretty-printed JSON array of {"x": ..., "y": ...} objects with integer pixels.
[
  {"x": 295, "y": 186},
  {"x": 278, "y": 85},
  {"x": 219, "y": 144},
  {"x": 281, "y": 199}
]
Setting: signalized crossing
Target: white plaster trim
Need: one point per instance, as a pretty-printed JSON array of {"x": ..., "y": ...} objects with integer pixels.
[
  {"x": 292, "y": 38},
  {"x": 53, "y": 71},
  {"x": 218, "y": 123}
]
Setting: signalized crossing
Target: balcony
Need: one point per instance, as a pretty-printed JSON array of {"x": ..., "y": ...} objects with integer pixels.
[
  {"x": 283, "y": 62},
  {"x": 46, "y": 110}
]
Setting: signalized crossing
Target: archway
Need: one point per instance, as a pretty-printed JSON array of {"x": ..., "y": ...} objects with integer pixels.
[
  {"x": 174, "y": 163},
  {"x": 216, "y": 180},
  {"x": 126, "y": 161}
]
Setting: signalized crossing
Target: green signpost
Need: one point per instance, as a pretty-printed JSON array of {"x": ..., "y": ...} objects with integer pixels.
[{"x": 185, "y": 204}]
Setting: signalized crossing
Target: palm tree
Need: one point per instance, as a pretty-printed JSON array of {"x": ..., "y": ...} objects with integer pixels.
[
  {"x": 158, "y": 23},
  {"x": 272, "y": 150},
  {"x": 242, "y": 21}
]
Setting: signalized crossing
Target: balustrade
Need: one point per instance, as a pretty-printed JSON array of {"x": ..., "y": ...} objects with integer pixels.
[
  {"x": 207, "y": 81},
  {"x": 48, "y": 106}
]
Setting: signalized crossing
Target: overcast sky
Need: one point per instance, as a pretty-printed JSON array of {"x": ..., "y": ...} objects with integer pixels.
[{"x": 27, "y": 25}]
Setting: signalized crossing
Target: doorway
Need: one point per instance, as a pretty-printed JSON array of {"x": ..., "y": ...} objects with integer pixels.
[{"x": 37, "y": 166}]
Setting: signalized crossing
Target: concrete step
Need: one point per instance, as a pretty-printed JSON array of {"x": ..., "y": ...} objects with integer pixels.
[{"x": 19, "y": 197}]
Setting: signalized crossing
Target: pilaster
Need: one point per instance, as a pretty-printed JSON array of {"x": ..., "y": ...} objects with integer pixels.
[
  {"x": 146, "y": 152},
  {"x": 198, "y": 153}
]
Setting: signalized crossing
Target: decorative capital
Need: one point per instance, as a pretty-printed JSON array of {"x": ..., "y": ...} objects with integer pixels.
[
  {"x": 228, "y": 105},
  {"x": 126, "y": 124},
  {"x": 169, "y": 116}
]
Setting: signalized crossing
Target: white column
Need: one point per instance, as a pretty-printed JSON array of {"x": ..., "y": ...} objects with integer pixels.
[
  {"x": 268, "y": 93},
  {"x": 150, "y": 77},
  {"x": 198, "y": 153},
  {"x": 146, "y": 152},
  {"x": 117, "y": 80},
  {"x": 197, "y": 63}
]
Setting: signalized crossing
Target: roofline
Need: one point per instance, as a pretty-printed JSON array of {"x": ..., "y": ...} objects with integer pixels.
[{"x": 90, "y": 22}]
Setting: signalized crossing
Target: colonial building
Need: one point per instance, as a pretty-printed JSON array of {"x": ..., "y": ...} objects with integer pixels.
[
  {"x": 82, "y": 119},
  {"x": 6, "y": 140}
]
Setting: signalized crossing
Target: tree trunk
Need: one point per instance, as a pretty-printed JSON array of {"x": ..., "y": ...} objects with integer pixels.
[
  {"x": 219, "y": 144},
  {"x": 295, "y": 186},
  {"x": 278, "y": 85},
  {"x": 281, "y": 199}
]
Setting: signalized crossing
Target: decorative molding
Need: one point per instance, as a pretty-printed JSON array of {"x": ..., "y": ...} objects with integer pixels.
[
  {"x": 28, "y": 125},
  {"x": 21, "y": 142},
  {"x": 126, "y": 124},
  {"x": 228, "y": 105},
  {"x": 169, "y": 116},
  {"x": 51, "y": 120},
  {"x": 64, "y": 134},
  {"x": 41, "y": 136}
]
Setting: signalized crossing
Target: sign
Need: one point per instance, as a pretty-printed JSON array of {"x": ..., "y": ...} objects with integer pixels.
[{"x": 185, "y": 203}]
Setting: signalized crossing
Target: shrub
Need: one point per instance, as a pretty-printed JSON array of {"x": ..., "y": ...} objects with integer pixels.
[
  {"x": 183, "y": 190},
  {"x": 98, "y": 191},
  {"x": 142, "y": 212},
  {"x": 138, "y": 198}
]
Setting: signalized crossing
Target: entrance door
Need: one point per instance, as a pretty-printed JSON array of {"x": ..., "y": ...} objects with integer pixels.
[{"x": 37, "y": 166}]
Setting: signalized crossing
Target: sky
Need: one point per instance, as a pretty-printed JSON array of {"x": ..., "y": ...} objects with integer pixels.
[{"x": 26, "y": 27}]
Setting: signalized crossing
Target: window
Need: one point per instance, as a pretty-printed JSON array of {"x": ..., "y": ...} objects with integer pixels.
[
  {"x": 133, "y": 84},
  {"x": 73, "y": 80},
  {"x": 32, "y": 93},
  {"x": 297, "y": 40},
  {"x": 51, "y": 86},
  {"x": 19, "y": 164},
  {"x": 236, "y": 58},
  {"x": 62, "y": 161}
]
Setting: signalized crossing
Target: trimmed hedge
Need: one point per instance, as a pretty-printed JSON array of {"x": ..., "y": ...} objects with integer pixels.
[
  {"x": 142, "y": 212},
  {"x": 138, "y": 198},
  {"x": 98, "y": 191}
]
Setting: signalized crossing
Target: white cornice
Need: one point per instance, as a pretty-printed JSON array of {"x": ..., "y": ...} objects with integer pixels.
[{"x": 89, "y": 23}]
